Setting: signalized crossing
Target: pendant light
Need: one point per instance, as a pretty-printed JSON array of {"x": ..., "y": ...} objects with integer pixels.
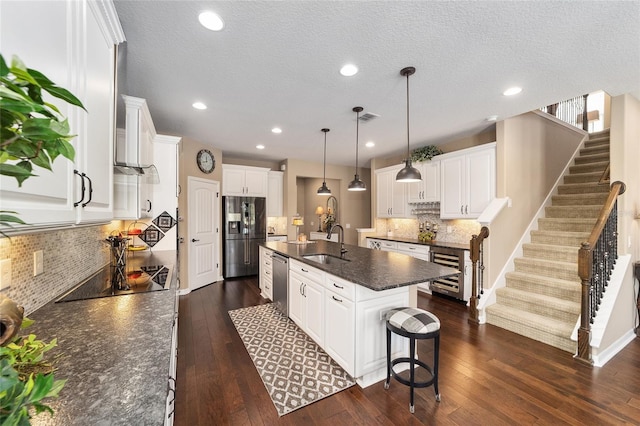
[
  {"x": 408, "y": 173},
  {"x": 323, "y": 190},
  {"x": 356, "y": 184}
]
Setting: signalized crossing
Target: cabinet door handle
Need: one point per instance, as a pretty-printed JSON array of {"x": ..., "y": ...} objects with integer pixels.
[
  {"x": 336, "y": 299},
  {"x": 461, "y": 209},
  {"x": 466, "y": 209},
  {"x": 90, "y": 190},
  {"x": 149, "y": 209},
  {"x": 337, "y": 286},
  {"x": 76, "y": 204}
]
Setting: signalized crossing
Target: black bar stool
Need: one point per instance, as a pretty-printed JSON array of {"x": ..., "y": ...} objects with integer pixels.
[{"x": 415, "y": 324}]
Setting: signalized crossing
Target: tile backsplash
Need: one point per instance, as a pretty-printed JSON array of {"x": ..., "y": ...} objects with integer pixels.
[
  {"x": 461, "y": 230},
  {"x": 70, "y": 256}
]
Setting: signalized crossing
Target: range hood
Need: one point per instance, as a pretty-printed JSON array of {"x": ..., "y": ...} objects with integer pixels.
[{"x": 134, "y": 144}]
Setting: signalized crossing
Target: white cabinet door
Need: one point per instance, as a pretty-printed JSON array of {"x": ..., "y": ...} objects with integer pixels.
[
  {"x": 468, "y": 182},
  {"x": 313, "y": 294},
  {"x": 95, "y": 143},
  {"x": 391, "y": 195},
  {"x": 296, "y": 300},
  {"x": 275, "y": 194},
  {"x": 256, "y": 182},
  {"x": 232, "y": 181},
  {"x": 339, "y": 337},
  {"x": 428, "y": 189}
]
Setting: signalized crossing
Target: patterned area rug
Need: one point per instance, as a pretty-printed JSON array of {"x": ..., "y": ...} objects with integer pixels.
[{"x": 293, "y": 368}]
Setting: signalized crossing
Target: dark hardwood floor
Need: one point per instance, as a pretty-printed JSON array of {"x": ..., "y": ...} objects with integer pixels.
[{"x": 488, "y": 376}]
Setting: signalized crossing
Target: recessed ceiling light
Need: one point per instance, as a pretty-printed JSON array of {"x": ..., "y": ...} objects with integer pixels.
[
  {"x": 492, "y": 118},
  {"x": 276, "y": 130},
  {"x": 512, "y": 91},
  {"x": 260, "y": 146},
  {"x": 370, "y": 144},
  {"x": 349, "y": 70},
  {"x": 211, "y": 21},
  {"x": 199, "y": 105}
]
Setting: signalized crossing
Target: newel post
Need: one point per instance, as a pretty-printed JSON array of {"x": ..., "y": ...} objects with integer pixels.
[
  {"x": 585, "y": 263},
  {"x": 474, "y": 246}
]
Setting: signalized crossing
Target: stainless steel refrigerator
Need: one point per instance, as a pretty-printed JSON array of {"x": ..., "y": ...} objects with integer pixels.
[{"x": 245, "y": 227}]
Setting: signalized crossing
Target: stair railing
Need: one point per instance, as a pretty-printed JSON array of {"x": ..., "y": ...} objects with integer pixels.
[
  {"x": 572, "y": 111},
  {"x": 477, "y": 273},
  {"x": 596, "y": 259}
]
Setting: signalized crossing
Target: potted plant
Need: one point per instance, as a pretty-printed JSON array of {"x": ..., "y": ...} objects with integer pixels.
[
  {"x": 425, "y": 153},
  {"x": 34, "y": 132}
]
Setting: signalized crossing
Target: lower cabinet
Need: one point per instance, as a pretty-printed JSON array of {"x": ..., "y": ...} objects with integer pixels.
[
  {"x": 345, "y": 319},
  {"x": 173, "y": 365},
  {"x": 266, "y": 273}
]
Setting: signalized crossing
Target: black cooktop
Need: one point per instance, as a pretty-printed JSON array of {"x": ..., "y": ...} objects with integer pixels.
[{"x": 110, "y": 281}]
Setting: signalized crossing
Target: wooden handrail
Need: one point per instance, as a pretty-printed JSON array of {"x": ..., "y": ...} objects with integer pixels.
[
  {"x": 585, "y": 269},
  {"x": 475, "y": 246}
]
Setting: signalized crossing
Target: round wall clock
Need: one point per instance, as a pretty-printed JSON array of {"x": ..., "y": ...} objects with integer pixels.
[{"x": 206, "y": 161}]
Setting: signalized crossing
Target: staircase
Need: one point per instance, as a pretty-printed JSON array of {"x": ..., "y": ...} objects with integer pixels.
[{"x": 541, "y": 299}]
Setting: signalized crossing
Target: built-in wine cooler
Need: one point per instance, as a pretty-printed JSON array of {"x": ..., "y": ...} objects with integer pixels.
[{"x": 457, "y": 286}]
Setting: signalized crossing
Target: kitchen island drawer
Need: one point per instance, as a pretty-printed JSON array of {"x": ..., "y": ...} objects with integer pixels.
[
  {"x": 307, "y": 271},
  {"x": 340, "y": 286}
]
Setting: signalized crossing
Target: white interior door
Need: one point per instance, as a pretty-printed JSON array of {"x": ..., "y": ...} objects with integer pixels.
[{"x": 203, "y": 225}]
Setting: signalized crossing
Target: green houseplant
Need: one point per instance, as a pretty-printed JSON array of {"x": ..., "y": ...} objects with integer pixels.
[
  {"x": 34, "y": 132},
  {"x": 425, "y": 153}
]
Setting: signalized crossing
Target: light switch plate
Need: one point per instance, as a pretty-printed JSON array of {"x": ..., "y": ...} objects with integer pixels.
[
  {"x": 38, "y": 262},
  {"x": 5, "y": 273}
]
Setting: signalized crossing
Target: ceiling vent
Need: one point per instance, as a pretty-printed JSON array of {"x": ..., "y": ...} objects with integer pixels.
[{"x": 368, "y": 116}]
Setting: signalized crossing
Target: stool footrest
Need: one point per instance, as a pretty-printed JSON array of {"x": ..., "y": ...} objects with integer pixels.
[{"x": 406, "y": 382}]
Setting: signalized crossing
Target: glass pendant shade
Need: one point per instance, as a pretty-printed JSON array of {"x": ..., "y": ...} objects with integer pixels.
[
  {"x": 356, "y": 184},
  {"x": 324, "y": 190},
  {"x": 408, "y": 173}
]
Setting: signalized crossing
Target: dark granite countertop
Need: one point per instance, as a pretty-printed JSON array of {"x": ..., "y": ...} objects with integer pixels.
[
  {"x": 115, "y": 354},
  {"x": 430, "y": 243},
  {"x": 375, "y": 269}
]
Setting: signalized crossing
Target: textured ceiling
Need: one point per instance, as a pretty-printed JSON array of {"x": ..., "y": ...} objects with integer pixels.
[{"x": 277, "y": 63}]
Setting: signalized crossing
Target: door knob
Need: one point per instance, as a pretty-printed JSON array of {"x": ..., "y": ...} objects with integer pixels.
[{"x": 193, "y": 240}]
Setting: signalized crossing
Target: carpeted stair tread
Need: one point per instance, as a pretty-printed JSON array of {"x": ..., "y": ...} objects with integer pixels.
[
  {"x": 582, "y": 188},
  {"x": 572, "y": 224},
  {"x": 588, "y": 211},
  {"x": 595, "y": 149},
  {"x": 548, "y": 268},
  {"x": 580, "y": 199},
  {"x": 593, "y": 177},
  {"x": 549, "y": 286},
  {"x": 536, "y": 327},
  {"x": 539, "y": 304},
  {"x": 590, "y": 167},
  {"x": 559, "y": 237},
  {"x": 592, "y": 158},
  {"x": 551, "y": 252}
]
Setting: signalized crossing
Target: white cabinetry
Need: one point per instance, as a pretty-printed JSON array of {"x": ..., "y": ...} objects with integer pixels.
[
  {"x": 340, "y": 317},
  {"x": 266, "y": 273},
  {"x": 173, "y": 366},
  {"x": 244, "y": 180},
  {"x": 391, "y": 195},
  {"x": 79, "y": 191},
  {"x": 133, "y": 193},
  {"x": 428, "y": 189},
  {"x": 275, "y": 194},
  {"x": 468, "y": 182},
  {"x": 306, "y": 299}
]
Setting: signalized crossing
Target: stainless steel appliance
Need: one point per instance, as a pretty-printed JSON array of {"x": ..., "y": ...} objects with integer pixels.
[
  {"x": 245, "y": 227},
  {"x": 451, "y": 286},
  {"x": 281, "y": 283}
]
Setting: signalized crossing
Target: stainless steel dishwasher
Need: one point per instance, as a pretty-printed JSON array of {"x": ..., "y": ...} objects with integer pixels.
[{"x": 281, "y": 282}]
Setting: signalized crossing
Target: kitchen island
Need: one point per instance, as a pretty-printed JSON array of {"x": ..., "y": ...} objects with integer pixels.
[
  {"x": 115, "y": 354},
  {"x": 341, "y": 301}
]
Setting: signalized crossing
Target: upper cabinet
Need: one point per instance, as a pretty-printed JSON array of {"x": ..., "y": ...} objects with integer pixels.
[
  {"x": 428, "y": 189},
  {"x": 244, "y": 181},
  {"x": 468, "y": 182},
  {"x": 136, "y": 174},
  {"x": 78, "y": 53},
  {"x": 275, "y": 194},
  {"x": 391, "y": 195}
]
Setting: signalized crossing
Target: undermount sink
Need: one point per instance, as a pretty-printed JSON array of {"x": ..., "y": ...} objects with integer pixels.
[{"x": 325, "y": 259}]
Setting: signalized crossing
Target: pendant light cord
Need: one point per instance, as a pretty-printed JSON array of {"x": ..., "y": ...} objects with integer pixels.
[
  {"x": 408, "y": 150},
  {"x": 324, "y": 163},
  {"x": 357, "y": 131}
]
